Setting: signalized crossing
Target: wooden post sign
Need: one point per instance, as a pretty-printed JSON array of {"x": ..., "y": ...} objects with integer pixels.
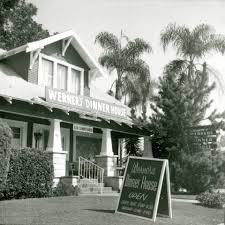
[{"x": 146, "y": 189}]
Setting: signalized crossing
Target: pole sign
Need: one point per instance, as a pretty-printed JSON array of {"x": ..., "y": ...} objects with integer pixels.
[
  {"x": 202, "y": 137},
  {"x": 146, "y": 189}
]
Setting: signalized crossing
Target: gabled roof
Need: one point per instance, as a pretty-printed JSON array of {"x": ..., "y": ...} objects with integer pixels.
[{"x": 76, "y": 43}]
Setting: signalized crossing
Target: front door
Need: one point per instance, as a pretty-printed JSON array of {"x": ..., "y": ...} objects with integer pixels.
[{"x": 87, "y": 145}]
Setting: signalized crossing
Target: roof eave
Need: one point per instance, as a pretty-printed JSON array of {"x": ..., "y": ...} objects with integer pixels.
[{"x": 13, "y": 51}]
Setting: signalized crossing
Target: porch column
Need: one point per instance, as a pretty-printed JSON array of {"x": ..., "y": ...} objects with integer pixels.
[
  {"x": 30, "y": 126},
  {"x": 148, "y": 147},
  {"x": 54, "y": 140},
  {"x": 106, "y": 148},
  {"x": 54, "y": 148},
  {"x": 107, "y": 159}
]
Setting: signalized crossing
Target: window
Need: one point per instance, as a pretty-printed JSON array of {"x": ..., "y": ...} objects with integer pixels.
[
  {"x": 16, "y": 140},
  {"x": 47, "y": 69},
  {"x": 16, "y": 132},
  {"x": 62, "y": 75},
  {"x": 75, "y": 81}
]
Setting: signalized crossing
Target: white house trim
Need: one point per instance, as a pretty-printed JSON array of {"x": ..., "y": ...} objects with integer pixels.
[
  {"x": 65, "y": 45},
  {"x": 33, "y": 57}
]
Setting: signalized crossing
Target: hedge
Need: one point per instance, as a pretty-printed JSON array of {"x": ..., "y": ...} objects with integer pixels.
[
  {"x": 211, "y": 199},
  {"x": 30, "y": 174},
  {"x": 5, "y": 145}
]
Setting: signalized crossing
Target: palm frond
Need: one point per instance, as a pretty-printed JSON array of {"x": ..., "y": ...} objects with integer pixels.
[
  {"x": 192, "y": 44},
  {"x": 177, "y": 66},
  {"x": 135, "y": 48},
  {"x": 203, "y": 31},
  {"x": 108, "y": 61},
  {"x": 167, "y": 35},
  {"x": 137, "y": 67},
  {"x": 110, "y": 92},
  {"x": 218, "y": 43},
  {"x": 130, "y": 89},
  {"x": 107, "y": 41},
  {"x": 218, "y": 78},
  {"x": 175, "y": 35}
]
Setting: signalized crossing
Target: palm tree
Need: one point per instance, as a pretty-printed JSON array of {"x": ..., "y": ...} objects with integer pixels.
[
  {"x": 125, "y": 60},
  {"x": 191, "y": 45},
  {"x": 132, "y": 72}
]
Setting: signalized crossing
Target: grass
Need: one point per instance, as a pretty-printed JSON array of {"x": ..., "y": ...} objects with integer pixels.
[{"x": 96, "y": 210}]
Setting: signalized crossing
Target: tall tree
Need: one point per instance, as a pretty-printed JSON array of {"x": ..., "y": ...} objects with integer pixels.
[
  {"x": 178, "y": 106},
  {"x": 184, "y": 91},
  {"x": 17, "y": 26}
]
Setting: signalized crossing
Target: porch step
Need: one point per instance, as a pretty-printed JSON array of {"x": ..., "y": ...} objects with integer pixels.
[
  {"x": 95, "y": 190},
  {"x": 88, "y": 187},
  {"x": 85, "y": 183}
]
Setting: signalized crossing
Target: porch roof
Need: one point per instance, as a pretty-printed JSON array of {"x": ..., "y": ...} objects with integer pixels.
[{"x": 14, "y": 87}]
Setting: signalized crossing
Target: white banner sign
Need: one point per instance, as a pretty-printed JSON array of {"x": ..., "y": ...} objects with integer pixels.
[{"x": 85, "y": 103}]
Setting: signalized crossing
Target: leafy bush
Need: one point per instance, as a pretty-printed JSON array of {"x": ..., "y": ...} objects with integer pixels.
[
  {"x": 30, "y": 174},
  {"x": 211, "y": 199},
  {"x": 195, "y": 173},
  {"x": 65, "y": 189},
  {"x": 5, "y": 145},
  {"x": 200, "y": 172}
]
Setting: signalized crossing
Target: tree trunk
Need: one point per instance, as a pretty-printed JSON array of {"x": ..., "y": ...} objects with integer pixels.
[
  {"x": 190, "y": 72},
  {"x": 119, "y": 85},
  {"x": 144, "y": 108},
  {"x": 118, "y": 94}
]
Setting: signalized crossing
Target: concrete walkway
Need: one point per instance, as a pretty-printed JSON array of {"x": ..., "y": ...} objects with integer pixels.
[{"x": 185, "y": 200}]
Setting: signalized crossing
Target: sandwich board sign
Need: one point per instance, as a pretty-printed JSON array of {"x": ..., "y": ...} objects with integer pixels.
[{"x": 146, "y": 189}]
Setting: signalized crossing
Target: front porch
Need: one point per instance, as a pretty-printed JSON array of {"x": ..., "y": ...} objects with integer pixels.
[{"x": 53, "y": 131}]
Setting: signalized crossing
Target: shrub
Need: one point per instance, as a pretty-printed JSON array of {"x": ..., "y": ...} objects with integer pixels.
[
  {"x": 30, "y": 174},
  {"x": 201, "y": 171},
  {"x": 195, "y": 173},
  {"x": 211, "y": 199},
  {"x": 65, "y": 189},
  {"x": 5, "y": 145}
]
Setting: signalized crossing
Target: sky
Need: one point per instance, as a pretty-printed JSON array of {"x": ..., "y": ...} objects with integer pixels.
[{"x": 136, "y": 18}]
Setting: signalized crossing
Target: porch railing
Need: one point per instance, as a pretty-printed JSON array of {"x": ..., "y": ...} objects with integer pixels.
[{"x": 92, "y": 172}]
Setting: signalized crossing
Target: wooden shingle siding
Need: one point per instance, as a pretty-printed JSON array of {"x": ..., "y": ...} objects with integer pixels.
[{"x": 33, "y": 73}]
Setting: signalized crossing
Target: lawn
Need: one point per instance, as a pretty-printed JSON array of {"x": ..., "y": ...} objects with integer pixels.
[
  {"x": 96, "y": 210},
  {"x": 180, "y": 196}
]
